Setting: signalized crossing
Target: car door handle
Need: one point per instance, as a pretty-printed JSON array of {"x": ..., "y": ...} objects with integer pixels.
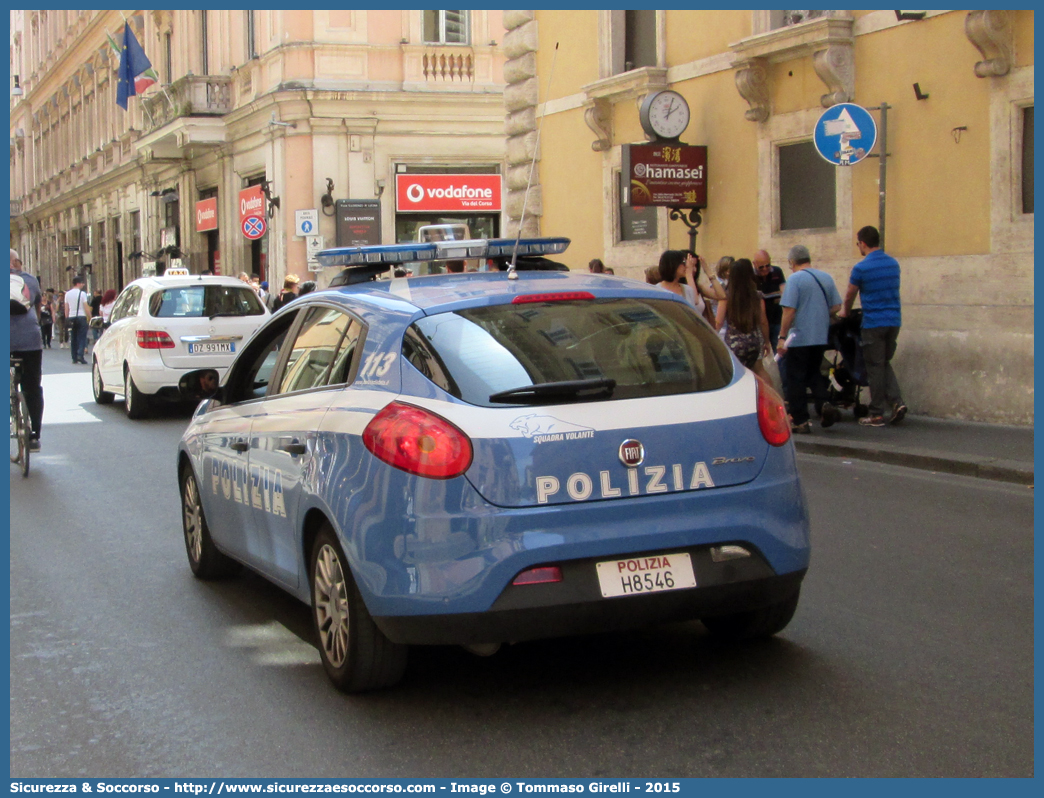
[
  {"x": 239, "y": 446},
  {"x": 292, "y": 446}
]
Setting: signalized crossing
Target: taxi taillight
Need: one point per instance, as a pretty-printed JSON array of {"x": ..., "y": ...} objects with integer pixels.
[
  {"x": 772, "y": 415},
  {"x": 154, "y": 339},
  {"x": 417, "y": 441}
]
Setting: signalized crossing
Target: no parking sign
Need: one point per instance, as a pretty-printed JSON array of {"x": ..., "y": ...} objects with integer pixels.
[{"x": 254, "y": 227}]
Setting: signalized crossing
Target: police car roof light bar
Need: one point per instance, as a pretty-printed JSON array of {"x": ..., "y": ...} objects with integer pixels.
[
  {"x": 389, "y": 255},
  {"x": 384, "y": 254}
]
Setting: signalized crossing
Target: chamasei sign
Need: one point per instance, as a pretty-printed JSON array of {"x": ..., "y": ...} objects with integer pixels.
[{"x": 667, "y": 175}]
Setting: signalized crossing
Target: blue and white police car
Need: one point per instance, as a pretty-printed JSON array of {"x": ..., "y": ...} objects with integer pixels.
[{"x": 493, "y": 457}]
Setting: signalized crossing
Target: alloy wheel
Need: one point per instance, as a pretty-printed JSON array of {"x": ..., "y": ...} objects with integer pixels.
[
  {"x": 331, "y": 605},
  {"x": 193, "y": 519}
]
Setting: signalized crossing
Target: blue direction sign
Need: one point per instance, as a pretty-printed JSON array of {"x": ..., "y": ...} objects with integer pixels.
[{"x": 845, "y": 134}]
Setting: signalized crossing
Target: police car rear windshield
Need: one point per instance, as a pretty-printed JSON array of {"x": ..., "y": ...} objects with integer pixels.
[
  {"x": 209, "y": 301},
  {"x": 622, "y": 348}
]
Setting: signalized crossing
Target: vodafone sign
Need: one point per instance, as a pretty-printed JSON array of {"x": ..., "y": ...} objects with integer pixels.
[
  {"x": 470, "y": 193},
  {"x": 251, "y": 203},
  {"x": 206, "y": 215}
]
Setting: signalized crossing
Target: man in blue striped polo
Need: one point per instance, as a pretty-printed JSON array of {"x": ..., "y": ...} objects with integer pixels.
[{"x": 876, "y": 279}]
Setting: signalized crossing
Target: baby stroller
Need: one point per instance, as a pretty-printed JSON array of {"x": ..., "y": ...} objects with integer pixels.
[{"x": 844, "y": 368}]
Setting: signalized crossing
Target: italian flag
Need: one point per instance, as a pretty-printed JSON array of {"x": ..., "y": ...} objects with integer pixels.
[{"x": 142, "y": 81}]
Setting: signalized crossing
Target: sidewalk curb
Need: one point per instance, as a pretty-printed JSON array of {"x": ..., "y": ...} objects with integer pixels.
[{"x": 966, "y": 465}]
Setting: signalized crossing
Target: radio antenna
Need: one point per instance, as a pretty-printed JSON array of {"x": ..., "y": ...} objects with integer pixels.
[{"x": 512, "y": 274}]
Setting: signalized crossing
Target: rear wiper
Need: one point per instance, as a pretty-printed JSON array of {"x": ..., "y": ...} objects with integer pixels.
[
  {"x": 224, "y": 313},
  {"x": 549, "y": 392}
]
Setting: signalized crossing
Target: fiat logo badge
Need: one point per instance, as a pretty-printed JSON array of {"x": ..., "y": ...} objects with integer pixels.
[{"x": 632, "y": 453}]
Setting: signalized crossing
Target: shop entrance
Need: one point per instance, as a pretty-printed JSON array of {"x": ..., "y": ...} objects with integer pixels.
[{"x": 482, "y": 225}]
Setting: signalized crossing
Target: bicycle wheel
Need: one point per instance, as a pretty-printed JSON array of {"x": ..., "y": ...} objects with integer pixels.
[
  {"x": 20, "y": 432},
  {"x": 27, "y": 432},
  {"x": 16, "y": 429}
]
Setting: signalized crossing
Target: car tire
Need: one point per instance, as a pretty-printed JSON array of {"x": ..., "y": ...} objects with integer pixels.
[
  {"x": 101, "y": 396},
  {"x": 355, "y": 653},
  {"x": 135, "y": 402},
  {"x": 754, "y": 624},
  {"x": 204, "y": 559}
]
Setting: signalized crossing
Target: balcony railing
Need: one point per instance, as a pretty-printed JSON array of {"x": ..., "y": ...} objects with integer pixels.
[
  {"x": 193, "y": 95},
  {"x": 448, "y": 65}
]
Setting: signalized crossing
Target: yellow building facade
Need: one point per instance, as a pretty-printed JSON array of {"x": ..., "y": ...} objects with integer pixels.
[
  {"x": 959, "y": 193},
  {"x": 263, "y": 112}
]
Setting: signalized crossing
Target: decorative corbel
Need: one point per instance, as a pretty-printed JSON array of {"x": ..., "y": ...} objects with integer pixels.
[
  {"x": 752, "y": 84},
  {"x": 162, "y": 19},
  {"x": 991, "y": 33},
  {"x": 836, "y": 68},
  {"x": 599, "y": 117}
]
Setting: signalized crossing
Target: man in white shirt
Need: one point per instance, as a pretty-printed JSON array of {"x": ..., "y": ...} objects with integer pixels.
[{"x": 78, "y": 312}]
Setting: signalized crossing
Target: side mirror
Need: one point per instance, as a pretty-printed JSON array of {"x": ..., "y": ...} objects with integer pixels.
[{"x": 199, "y": 385}]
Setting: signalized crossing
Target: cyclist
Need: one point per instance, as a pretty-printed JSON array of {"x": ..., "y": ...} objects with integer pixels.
[{"x": 27, "y": 345}]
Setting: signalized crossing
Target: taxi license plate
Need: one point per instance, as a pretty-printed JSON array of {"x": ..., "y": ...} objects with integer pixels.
[
  {"x": 638, "y": 575},
  {"x": 211, "y": 349}
]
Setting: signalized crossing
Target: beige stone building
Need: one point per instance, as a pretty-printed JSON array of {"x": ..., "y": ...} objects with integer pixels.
[
  {"x": 959, "y": 201},
  {"x": 345, "y": 116},
  {"x": 385, "y": 119}
]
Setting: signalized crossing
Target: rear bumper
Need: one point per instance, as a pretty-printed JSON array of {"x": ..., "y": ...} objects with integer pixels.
[
  {"x": 161, "y": 382},
  {"x": 452, "y": 554},
  {"x": 575, "y": 605}
]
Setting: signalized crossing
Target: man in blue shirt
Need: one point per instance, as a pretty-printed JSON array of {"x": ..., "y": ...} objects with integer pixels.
[
  {"x": 810, "y": 298},
  {"x": 876, "y": 279}
]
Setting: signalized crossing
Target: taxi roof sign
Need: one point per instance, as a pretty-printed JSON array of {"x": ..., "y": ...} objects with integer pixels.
[{"x": 177, "y": 271}]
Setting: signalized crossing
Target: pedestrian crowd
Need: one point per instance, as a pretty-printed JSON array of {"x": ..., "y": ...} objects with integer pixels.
[
  {"x": 76, "y": 318},
  {"x": 780, "y": 328},
  {"x": 762, "y": 316}
]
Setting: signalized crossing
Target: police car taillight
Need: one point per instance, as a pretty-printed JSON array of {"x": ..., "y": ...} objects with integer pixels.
[
  {"x": 557, "y": 296},
  {"x": 418, "y": 441},
  {"x": 154, "y": 339},
  {"x": 541, "y": 575},
  {"x": 772, "y": 415}
]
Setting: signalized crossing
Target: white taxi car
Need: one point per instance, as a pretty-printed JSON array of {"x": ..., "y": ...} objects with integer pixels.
[{"x": 163, "y": 327}]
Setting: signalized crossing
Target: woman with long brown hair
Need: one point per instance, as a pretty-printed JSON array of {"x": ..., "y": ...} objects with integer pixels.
[
  {"x": 743, "y": 316},
  {"x": 676, "y": 264}
]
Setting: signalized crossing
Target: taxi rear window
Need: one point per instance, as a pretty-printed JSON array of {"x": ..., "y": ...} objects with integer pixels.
[
  {"x": 647, "y": 347},
  {"x": 196, "y": 301}
]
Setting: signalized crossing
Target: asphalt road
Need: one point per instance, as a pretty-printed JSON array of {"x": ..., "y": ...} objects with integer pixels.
[{"x": 911, "y": 653}]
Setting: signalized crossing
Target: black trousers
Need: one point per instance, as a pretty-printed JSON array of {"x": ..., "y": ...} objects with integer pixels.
[
  {"x": 804, "y": 364},
  {"x": 32, "y": 371}
]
